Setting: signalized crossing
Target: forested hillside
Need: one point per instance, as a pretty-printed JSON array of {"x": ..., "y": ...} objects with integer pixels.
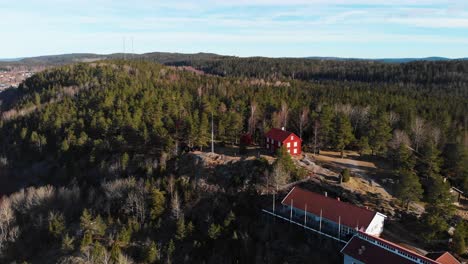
[{"x": 108, "y": 140}]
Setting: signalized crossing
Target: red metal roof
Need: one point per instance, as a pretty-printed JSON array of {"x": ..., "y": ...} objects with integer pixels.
[
  {"x": 332, "y": 209},
  {"x": 363, "y": 247},
  {"x": 279, "y": 134},
  {"x": 445, "y": 258},
  {"x": 369, "y": 253}
]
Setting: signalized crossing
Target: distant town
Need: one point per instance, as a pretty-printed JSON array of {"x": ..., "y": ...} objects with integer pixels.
[{"x": 13, "y": 78}]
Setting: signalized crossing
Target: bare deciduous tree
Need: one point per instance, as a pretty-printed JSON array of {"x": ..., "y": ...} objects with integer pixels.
[
  {"x": 171, "y": 184},
  {"x": 283, "y": 114},
  {"x": 252, "y": 118},
  {"x": 434, "y": 135},
  {"x": 358, "y": 116},
  {"x": 6, "y": 219},
  {"x": 303, "y": 120},
  {"x": 175, "y": 206},
  {"x": 393, "y": 118},
  {"x": 135, "y": 205},
  {"x": 419, "y": 132},
  {"x": 399, "y": 137},
  {"x": 345, "y": 109},
  {"x": 116, "y": 193},
  {"x": 279, "y": 175}
]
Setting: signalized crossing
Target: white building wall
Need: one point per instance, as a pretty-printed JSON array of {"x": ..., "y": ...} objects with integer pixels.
[
  {"x": 350, "y": 260},
  {"x": 376, "y": 226}
]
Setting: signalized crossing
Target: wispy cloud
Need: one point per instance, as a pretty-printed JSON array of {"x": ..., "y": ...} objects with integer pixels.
[{"x": 240, "y": 27}]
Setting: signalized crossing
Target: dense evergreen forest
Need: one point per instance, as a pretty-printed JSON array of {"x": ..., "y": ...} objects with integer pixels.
[{"x": 106, "y": 142}]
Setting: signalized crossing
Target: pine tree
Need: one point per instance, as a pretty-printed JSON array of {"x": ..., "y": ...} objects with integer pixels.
[
  {"x": 99, "y": 227},
  {"x": 431, "y": 161},
  {"x": 56, "y": 224},
  {"x": 235, "y": 126},
  {"x": 190, "y": 228},
  {"x": 115, "y": 253},
  {"x": 404, "y": 159},
  {"x": 203, "y": 131},
  {"x": 285, "y": 159},
  {"x": 409, "y": 188},
  {"x": 379, "y": 133},
  {"x": 86, "y": 220},
  {"x": 180, "y": 229},
  {"x": 439, "y": 196},
  {"x": 98, "y": 252},
  {"x": 68, "y": 243},
  {"x": 158, "y": 202},
  {"x": 460, "y": 238},
  {"x": 124, "y": 236},
  {"x": 326, "y": 125},
  {"x": 439, "y": 209},
  {"x": 170, "y": 249},
  {"x": 343, "y": 133},
  {"x": 231, "y": 217},
  {"x": 214, "y": 231},
  {"x": 346, "y": 175},
  {"x": 363, "y": 145},
  {"x": 434, "y": 222},
  {"x": 192, "y": 129},
  {"x": 86, "y": 241},
  {"x": 152, "y": 253},
  {"x": 124, "y": 161}
]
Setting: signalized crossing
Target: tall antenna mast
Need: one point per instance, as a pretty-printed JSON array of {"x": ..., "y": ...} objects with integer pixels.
[
  {"x": 133, "y": 51},
  {"x": 123, "y": 40}
]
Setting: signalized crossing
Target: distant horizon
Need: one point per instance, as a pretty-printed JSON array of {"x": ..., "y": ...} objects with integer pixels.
[
  {"x": 6, "y": 59},
  {"x": 269, "y": 28}
]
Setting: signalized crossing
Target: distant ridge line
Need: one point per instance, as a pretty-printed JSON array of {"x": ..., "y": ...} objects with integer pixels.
[{"x": 173, "y": 56}]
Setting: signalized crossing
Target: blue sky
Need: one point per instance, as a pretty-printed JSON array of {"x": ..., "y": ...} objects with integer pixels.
[{"x": 275, "y": 28}]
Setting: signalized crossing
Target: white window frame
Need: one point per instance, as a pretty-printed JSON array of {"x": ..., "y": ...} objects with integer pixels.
[
  {"x": 292, "y": 137},
  {"x": 295, "y": 151},
  {"x": 288, "y": 145},
  {"x": 295, "y": 144}
]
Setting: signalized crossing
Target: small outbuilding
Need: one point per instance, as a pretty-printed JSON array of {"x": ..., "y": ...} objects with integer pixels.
[{"x": 246, "y": 139}]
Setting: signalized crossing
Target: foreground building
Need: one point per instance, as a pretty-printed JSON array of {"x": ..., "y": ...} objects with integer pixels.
[
  {"x": 358, "y": 227},
  {"x": 277, "y": 138},
  {"x": 367, "y": 249},
  {"x": 333, "y": 213}
]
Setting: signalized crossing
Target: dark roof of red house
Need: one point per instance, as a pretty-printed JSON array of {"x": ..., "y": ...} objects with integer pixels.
[
  {"x": 443, "y": 258},
  {"x": 332, "y": 209},
  {"x": 279, "y": 134},
  {"x": 363, "y": 247}
]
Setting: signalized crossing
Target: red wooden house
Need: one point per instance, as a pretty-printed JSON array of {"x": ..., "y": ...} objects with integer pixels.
[{"x": 276, "y": 138}]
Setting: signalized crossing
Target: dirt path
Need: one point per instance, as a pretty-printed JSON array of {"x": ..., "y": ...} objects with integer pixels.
[{"x": 364, "y": 178}]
